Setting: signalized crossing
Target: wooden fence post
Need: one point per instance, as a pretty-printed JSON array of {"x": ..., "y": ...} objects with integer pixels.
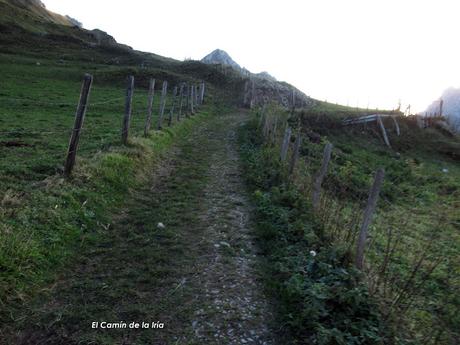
[
  {"x": 192, "y": 97},
  {"x": 246, "y": 94},
  {"x": 274, "y": 130},
  {"x": 253, "y": 95},
  {"x": 197, "y": 96},
  {"x": 148, "y": 120},
  {"x": 295, "y": 155},
  {"x": 398, "y": 131},
  {"x": 164, "y": 91},
  {"x": 181, "y": 101},
  {"x": 384, "y": 132},
  {"x": 368, "y": 213},
  {"x": 266, "y": 125},
  {"x": 171, "y": 111},
  {"x": 187, "y": 98},
  {"x": 202, "y": 92},
  {"x": 285, "y": 144},
  {"x": 128, "y": 110},
  {"x": 79, "y": 119},
  {"x": 262, "y": 117},
  {"x": 320, "y": 176}
]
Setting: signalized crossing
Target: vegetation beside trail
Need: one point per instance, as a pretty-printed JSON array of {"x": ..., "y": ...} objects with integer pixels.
[
  {"x": 411, "y": 275},
  {"x": 44, "y": 218},
  {"x": 322, "y": 299}
]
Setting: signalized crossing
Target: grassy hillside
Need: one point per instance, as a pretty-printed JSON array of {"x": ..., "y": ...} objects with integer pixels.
[
  {"x": 44, "y": 219},
  {"x": 411, "y": 268},
  {"x": 28, "y": 14}
]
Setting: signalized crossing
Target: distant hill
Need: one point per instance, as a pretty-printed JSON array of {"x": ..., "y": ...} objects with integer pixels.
[
  {"x": 260, "y": 88},
  {"x": 451, "y": 107},
  {"x": 219, "y": 56}
]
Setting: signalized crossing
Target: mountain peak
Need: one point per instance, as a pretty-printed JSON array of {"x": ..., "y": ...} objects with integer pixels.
[{"x": 220, "y": 56}]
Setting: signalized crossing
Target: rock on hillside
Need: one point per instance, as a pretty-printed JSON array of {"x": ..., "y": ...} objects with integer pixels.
[{"x": 451, "y": 107}]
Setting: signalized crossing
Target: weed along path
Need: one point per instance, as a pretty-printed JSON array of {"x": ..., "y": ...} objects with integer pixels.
[{"x": 193, "y": 279}]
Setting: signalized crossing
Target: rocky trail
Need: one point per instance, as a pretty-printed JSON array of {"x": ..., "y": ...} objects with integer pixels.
[{"x": 179, "y": 258}]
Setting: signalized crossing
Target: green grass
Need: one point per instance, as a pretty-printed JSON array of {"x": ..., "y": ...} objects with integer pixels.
[
  {"x": 37, "y": 107},
  {"x": 321, "y": 299},
  {"x": 44, "y": 219},
  {"x": 418, "y": 205}
]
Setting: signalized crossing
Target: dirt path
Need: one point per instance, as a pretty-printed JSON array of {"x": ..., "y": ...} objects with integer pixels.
[{"x": 198, "y": 275}]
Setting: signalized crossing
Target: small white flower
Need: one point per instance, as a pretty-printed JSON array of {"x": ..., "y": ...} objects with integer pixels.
[
  {"x": 161, "y": 226},
  {"x": 312, "y": 253}
]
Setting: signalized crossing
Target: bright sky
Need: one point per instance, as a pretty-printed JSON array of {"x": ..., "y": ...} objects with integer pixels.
[{"x": 356, "y": 52}]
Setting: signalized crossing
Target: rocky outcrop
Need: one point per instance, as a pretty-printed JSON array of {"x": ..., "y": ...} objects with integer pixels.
[
  {"x": 74, "y": 22},
  {"x": 219, "y": 56},
  {"x": 103, "y": 39}
]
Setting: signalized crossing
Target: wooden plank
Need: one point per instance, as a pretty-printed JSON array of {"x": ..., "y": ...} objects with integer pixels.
[
  {"x": 78, "y": 124},
  {"x": 128, "y": 110},
  {"x": 148, "y": 120},
  {"x": 316, "y": 194},
  {"x": 368, "y": 214},
  {"x": 164, "y": 91}
]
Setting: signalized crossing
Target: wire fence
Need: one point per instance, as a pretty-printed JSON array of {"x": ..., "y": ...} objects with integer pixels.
[
  {"x": 409, "y": 240},
  {"x": 36, "y": 131}
]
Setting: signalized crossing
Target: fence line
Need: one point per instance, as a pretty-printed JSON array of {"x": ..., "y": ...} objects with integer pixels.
[{"x": 85, "y": 105}]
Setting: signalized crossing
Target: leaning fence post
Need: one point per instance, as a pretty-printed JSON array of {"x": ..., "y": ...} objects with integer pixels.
[
  {"x": 285, "y": 144},
  {"x": 128, "y": 110},
  {"x": 384, "y": 132},
  {"x": 320, "y": 176},
  {"x": 295, "y": 155},
  {"x": 368, "y": 213},
  {"x": 164, "y": 90},
  {"x": 148, "y": 120},
  {"x": 398, "y": 131},
  {"x": 171, "y": 111},
  {"x": 79, "y": 118}
]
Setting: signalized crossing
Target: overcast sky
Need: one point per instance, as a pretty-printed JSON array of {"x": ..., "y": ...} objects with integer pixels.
[{"x": 355, "y": 52}]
